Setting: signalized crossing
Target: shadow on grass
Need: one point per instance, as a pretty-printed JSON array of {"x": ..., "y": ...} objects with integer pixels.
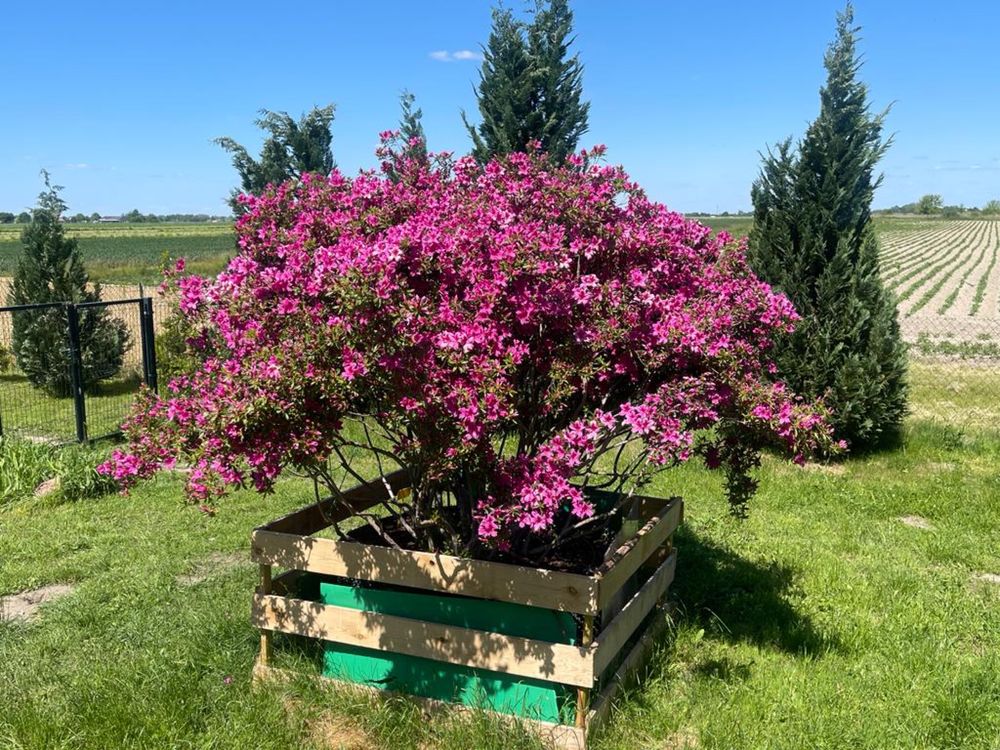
[
  {"x": 735, "y": 599},
  {"x": 124, "y": 385}
]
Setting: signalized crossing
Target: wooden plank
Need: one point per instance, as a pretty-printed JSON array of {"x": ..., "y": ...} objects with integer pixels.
[
  {"x": 313, "y": 518},
  {"x": 626, "y": 671},
  {"x": 613, "y": 574},
  {"x": 555, "y": 736},
  {"x": 566, "y": 592},
  {"x": 582, "y": 693},
  {"x": 524, "y": 657},
  {"x": 620, "y": 629},
  {"x": 265, "y": 635}
]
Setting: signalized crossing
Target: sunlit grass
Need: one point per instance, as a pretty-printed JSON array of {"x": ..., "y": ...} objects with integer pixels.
[{"x": 824, "y": 620}]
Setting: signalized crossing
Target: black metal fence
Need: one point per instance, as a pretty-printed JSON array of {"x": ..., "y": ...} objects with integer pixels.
[{"x": 71, "y": 398}]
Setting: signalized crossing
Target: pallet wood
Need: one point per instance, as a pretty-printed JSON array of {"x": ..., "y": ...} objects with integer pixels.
[
  {"x": 318, "y": 516},
  {"x": 524, "y": 657},
  {"x": 620, "y": 629},
  {"x": 629, "y": 557},
  {"x": 640, "y": 569},
  {"x": 566, "y": 592},
  {"x": 627, "y": 669},
  {"x": 556, "y": 736}
]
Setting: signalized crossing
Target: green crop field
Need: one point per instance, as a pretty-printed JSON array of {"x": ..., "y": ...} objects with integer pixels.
[{"x": 133, "y": 253}]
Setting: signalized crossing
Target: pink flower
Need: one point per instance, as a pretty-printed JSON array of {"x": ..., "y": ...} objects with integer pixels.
[
  {"x": 549, "y": 308},
  {"x": 354, "y": 364},
  {"x": 488, "y": 527},
  {"x": 287, "y": 306}
]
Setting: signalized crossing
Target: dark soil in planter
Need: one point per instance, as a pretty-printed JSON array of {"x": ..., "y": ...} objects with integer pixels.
[{"x": 583, "y": 553}]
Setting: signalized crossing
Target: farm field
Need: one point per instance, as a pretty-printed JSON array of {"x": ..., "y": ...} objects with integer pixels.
[
  {"x": 133, "y": 253},
  {"x": 946, "y": 276}
]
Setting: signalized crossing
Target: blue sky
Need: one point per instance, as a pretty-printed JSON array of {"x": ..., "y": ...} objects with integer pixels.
[{"x": 120, "y": 101}]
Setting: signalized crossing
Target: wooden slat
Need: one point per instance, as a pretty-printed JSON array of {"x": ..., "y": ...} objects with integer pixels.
[
  {"x": 633, "y": 662},
  {"x": 318, "y": 516},
  {"x": 555, "y": 736},
  {"x": 620, "y": 629},
  {"x": 566, "y": 592},
  {"x": 629, "y": 557},
  {"x": 524, "y": 657},
  {"x": 266, "y": 640}
]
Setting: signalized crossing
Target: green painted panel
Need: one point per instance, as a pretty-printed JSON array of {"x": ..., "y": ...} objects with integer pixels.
[{"x": 496, "y": 691}]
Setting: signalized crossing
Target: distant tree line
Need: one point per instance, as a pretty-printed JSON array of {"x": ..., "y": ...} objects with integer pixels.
[
  {"x": 132, "y": 217},
  {"x": 933, "y": 205}
]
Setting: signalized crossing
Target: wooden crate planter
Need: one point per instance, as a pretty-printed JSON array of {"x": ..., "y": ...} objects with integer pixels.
[{"x": 622, "y": 596}]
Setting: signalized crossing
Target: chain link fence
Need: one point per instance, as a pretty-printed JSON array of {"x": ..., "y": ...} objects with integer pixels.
[{"x": 58, "y": 381}]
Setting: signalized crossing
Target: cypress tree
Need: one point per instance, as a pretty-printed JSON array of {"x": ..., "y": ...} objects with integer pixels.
[
  {"x": 529, "y": 87},
  {"x": 51, "y": 270},
  {"x": 561, "y": 113},
  {"x": 814, "y": 240}
]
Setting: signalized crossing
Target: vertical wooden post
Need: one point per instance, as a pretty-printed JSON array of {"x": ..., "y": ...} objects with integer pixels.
[
  {"x": 265, "y": 635},
  {"x": 583, "y": 694}
]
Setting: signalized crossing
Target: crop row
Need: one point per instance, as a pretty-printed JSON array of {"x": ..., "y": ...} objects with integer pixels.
[
  {"x": 963, "y": 253},
  {"x": 950, "y": 268},
  {"x": 120, "y": 258}
]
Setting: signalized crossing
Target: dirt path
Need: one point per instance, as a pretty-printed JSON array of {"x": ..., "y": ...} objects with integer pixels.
[{"x": 25, "y": 606}]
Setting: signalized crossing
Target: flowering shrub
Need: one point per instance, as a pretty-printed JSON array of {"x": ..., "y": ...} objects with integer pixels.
[{"x": 510, "y": 335}]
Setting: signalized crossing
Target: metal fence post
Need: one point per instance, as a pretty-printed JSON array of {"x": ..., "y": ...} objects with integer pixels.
[
  {"x": 76, "y": 371},
  {"x": 147, "y": 332}
]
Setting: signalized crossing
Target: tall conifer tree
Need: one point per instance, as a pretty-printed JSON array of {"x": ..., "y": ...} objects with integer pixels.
[
  {"x": 411, "y": 128},
  {"x": 814, "y": 240},
  {"x": 530, "y": 88}
]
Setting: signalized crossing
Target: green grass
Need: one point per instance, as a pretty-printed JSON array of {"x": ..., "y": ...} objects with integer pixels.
[
  {"x": 29, "y": 412},
  {"x": 133, "y": 253},
  {"x": 823, "y": 621},
  {"x": 737, "y": 226}
]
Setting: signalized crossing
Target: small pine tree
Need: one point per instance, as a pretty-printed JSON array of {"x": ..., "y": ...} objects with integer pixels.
[
  {"x": 50, "y": 270},
  {"x": 529, "y": 89},
  {"x": 813, "y": 239}
]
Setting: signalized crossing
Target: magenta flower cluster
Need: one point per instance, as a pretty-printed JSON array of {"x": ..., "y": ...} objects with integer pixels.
[{"x": 507, "y": 329}]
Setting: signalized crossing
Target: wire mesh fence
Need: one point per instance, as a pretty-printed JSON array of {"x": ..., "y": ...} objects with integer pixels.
[
  {"x": 70, "y": 372},
  {"x": 955, "y": 370}
]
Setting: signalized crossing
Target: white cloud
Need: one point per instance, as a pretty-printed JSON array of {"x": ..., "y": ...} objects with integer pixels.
[
  {"x": 443, "y": 55},
  {"x": 80, "y": 165}
]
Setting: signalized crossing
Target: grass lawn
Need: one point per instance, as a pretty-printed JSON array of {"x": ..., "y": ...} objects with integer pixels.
[
  {"x": 28, "y": 412},
  {"x": 823, "y": 621}
]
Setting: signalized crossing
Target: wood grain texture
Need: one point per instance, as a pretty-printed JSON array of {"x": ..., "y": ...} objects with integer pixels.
[
  {"x": 617, "y": 632},
  {"x": 555, "y": 736},
  {"x": 620, "y": 566},
  {"x": 524, "y": 657},
  {"x": 565, "y": 592}
]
